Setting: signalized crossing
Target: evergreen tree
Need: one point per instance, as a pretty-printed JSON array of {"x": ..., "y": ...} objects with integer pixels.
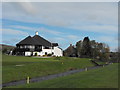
[
  {"x": 94, "y": 49},
  {"x": 91, "y": 49},
  {"x": 86, "y": 48},
  {"x": 78, "y": 48}
]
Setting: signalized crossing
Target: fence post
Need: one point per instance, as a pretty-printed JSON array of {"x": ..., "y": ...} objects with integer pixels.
[
  {"x": 28, "y": 80},
  {"x": 86, "y": 69}
]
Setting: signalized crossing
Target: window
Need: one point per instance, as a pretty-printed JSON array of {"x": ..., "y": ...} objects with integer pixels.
[
  {"x": 52, "y": 52},
  {"x": 45, "y": 53},
  {"x": 24, "y": 46},
  {"x": 21, "y": 47},
  {"x": 46, "y": 47}
]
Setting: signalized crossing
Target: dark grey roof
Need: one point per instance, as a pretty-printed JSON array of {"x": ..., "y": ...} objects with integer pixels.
[
  {"x": 36, "y": 40},
  {"x": 28, "y": 41},
  {"x": 42, "y": 41}
]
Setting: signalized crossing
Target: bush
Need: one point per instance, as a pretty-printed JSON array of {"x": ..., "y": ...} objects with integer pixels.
[
  {"x": 49, "y": 55},
  {"x": 72, "y": 68},
  {"x": 35, "y": 54},
  {"x": 44, "y": 55},
  {"x": 4, "y": 50},
  {"x": 57, "y": 58},
  {"x": 104, "y": 57}
]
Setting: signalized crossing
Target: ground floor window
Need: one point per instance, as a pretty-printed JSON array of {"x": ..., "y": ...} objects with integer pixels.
[
  {"x": 52, "y": 52},
  {"x": 45, "y": 53}
]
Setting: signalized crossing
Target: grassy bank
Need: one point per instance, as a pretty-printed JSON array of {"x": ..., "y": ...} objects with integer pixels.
[
  {"x": 106, "y": 77},
  {"x": 18, "y": 67}
]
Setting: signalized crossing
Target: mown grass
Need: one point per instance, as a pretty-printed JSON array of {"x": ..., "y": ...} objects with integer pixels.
[
  {"x": 35, "y": 67},
  {"x": 106, "y": 77}
]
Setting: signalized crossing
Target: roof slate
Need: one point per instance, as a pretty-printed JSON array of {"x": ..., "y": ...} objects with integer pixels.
[
  {"x": 41, "y": 40},
  {"x": 36, "y": 40},
  {"x": 28, "y": 41}
]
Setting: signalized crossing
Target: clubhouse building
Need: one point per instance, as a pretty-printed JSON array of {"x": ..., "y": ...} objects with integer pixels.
[{"x": 37, "y": 46}]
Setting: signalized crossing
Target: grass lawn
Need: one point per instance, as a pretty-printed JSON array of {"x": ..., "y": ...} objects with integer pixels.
[
  {"x": 106, "y": 77},
  {"x": 35, "y": 67}
]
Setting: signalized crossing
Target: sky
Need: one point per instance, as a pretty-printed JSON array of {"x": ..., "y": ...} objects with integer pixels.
[{"x": 64, "y": 23}]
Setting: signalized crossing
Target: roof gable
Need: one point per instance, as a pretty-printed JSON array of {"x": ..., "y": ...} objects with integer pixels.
[
  {"x": 36, "y": 40},
  {"x": 41, "y": 40},
  {"x": 29, "y": 41}
]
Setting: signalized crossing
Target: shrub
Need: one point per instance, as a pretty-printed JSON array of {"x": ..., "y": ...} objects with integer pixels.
[
  {"x": 49, "y": 55},
  {"x": 35, "y": 54},
  {"x": 57, "y": 58},
  {"x": 4, "y": 50},
  {"x": 44, "y": 55}
]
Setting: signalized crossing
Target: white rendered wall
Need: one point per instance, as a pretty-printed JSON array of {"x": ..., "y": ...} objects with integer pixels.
[
  {"x": 48, "y": 51},
  {"x": 58, "y": 51},
  {"x": 27, "y": 53},
  {"x": 36, "y": 52}
]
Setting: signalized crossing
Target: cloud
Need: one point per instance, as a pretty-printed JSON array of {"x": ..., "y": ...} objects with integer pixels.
[
  {"x": 114, "y": 48},
  {"x": 13, "y": 32},
  {"x": 106, "y": 29},
  {"x": 28, "y": 7},
  {"x": 21, "y": 27},
  {"x": 10, "y": 41},
  {"x": 107, "y": 39},
  {"x": 11, "y": 36},
  {"x": 62, "y": 14},
  {"x": 61, "y": 1},
  {"x": 73, "y": 37},
  {"x": 1, "y": 10},
  {"x": 56, "y": 39},
  {"x": 101, "y": 18},
  {"x": 111, "y": 41},
  {"x": 7, "y": 42},
  {"x": 42, "y": 29}
]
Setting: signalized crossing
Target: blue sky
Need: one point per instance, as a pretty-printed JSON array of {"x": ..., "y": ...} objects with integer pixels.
[{"x": 63, "y": 22}]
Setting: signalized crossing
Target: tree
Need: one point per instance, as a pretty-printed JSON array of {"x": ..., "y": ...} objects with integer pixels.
[
  {"x": 86, "y": 48},
  {"x": 91, "y": 49},
  {"x": 78, "y": 48},
  {"x": 94, "y": 49},
  {"x": 104, "y": 51}
]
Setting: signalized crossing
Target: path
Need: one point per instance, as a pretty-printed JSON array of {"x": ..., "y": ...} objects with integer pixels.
[{"x": 39, "y": 79}]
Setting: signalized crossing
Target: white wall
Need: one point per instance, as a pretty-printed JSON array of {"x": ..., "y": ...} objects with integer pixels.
[
  {"x": 27, "y": 53},
  {"x": 58, "y": 51},
  {"x": 36, "y": 52},
  {"x": 49, "y": 51}
]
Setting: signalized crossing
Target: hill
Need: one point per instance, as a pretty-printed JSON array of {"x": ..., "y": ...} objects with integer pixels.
[{"x": 8, "y": 47}]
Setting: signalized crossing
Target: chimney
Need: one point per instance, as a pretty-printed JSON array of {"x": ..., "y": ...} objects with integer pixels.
[{"x": 36, "y": 33}]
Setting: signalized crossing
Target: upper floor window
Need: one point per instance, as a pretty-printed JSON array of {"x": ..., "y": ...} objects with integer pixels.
[
  {"x": 46, "y": 47},
  {"x": 32, "y": 46},
  {"x": 21, "y": 46}
]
